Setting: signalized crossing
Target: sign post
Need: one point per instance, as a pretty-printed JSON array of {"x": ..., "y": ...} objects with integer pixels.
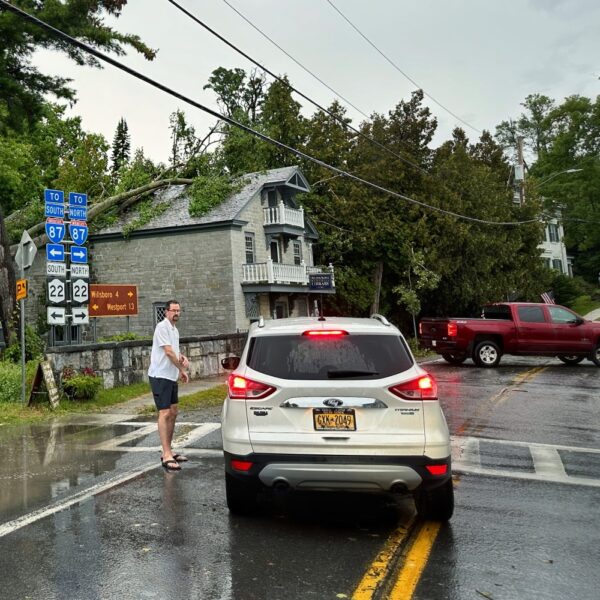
[{"x": 24, "y": 259}]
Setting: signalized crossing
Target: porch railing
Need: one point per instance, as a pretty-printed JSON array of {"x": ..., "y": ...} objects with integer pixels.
[
  {"x": 284, "y": 215},
  {"x": 272, "y": 272}
]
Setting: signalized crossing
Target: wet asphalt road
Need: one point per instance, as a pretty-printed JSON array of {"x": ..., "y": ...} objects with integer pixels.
[{"x": 79, "y": 521}]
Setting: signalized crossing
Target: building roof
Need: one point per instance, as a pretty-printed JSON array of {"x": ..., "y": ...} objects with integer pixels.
[{"x": 177, "y": 215}]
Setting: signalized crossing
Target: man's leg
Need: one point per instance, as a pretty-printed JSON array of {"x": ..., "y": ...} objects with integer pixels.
[
  {"x": 172, "y": 418},
  {"x": 166, "y": 424}
]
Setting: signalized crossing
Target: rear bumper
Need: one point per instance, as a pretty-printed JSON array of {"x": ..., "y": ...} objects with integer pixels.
[
  {"x": 445, "y": 346},
  {"x": 348, "y": 473}
]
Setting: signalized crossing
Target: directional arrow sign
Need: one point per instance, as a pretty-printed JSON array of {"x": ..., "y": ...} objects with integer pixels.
[
  {"x": 56, "y": 291},
  {"x": 80, "y": 316},
  {"x": 55, "y": 230},
  {"x": 79, "y": 255},
  {"x": 79, "y": 291},
  {"x": 56, "y": 315},
  {"x": 78, "y": 231},
  {"x": 56, "y": 252}
]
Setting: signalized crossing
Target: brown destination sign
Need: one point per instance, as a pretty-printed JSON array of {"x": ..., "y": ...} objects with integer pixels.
[{"x": 108, "y": 300}]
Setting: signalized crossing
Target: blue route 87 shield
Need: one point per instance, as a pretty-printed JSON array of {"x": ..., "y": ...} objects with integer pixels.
[
  {"x": 78, "y": 233},
  {"x": 55, "y": 231}
]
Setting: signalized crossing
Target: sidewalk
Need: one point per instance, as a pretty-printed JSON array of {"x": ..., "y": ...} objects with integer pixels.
[
  {"x": 593, "y": 316},
  {"x": 133, "y": 406}
]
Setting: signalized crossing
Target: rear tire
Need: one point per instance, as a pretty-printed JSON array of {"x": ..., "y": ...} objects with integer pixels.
[
  {"x": 454, "y": 358},
  {"x": 436, "y": 504},
  {"x": 569, "y": 359},
  {"x": 242, "y": 498},
  {"x": 487, "y": 354},
  {"x": 595, "y": 356}
]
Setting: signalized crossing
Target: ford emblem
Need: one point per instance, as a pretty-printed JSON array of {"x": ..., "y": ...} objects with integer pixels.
[{"x": 333, "y": 402}]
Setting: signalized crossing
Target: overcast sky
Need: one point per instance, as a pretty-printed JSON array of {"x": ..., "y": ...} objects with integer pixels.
[{"x": 478, "y": 58}]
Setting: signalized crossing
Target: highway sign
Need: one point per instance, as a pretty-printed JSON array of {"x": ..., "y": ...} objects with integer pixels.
[
  {"x": 21, "y": 289},
  {"x": 78, "y": 231},
  {"x": 56, "y": 291},
  {"x": 57, "y": 196},
  {"x": 78, "y": 212},
  {"x": 77, "y": 199},
  {"x": 25, "y": 252},
  {"x": 79, "y": 291},
  {"x": 80, "y": 316},
  {"x": 55, "y": 210},
  {"x": 55, "y": 252},
  {"x": 55, "y": 230},
  {"x": 56, "y": 315},
  {"x": 56, "y": 269},
  {"x": 108, "y": 300},
  {"x": 79, "y": 255},
  {"x": 80, "y": 271}
]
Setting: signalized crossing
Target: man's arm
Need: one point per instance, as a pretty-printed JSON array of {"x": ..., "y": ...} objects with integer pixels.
[{"x": 180, "y": 364}]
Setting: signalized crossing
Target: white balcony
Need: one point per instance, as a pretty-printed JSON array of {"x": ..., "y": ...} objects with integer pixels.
[
  {"x": 284, "y": 215},
  {"x": 272, "y": 272}
]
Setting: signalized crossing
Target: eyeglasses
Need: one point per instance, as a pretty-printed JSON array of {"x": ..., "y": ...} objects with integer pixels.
[{"x": 175, "y": 310}]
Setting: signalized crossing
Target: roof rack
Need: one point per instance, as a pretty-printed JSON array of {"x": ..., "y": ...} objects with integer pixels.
[{"x": 381, "y": 319}]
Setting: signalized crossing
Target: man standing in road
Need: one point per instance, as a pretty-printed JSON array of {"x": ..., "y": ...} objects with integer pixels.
[{"x": 167, "y": 365}]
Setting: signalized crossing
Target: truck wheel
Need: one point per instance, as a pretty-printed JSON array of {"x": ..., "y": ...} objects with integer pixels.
[
  {"x": 242, "y": 498},
  {"x": 595, "y": 356},
  {"x": 487, "y": 354},
  {"x": 436, "y": 504},
  {"x": 454, "y": 358},
  {"x": 569, "y": 359}
]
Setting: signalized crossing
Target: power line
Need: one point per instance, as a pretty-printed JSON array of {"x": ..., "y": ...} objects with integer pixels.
[
  {"x": 258, "y": 134},
  {"x": 389, "y": 60},
  {"x": 292, "y": 88}
]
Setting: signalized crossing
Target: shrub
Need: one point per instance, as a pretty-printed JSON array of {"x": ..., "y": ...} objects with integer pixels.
[
  {"x": 34, "y": 347},
  {"x": 10, "y": 376},
  {"x": 80, "y": 386}
]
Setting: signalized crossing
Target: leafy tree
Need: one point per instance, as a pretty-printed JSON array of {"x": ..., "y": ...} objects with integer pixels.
[
  {"x": 23, "y": 86},
  {"x": 121, "y": 147}
]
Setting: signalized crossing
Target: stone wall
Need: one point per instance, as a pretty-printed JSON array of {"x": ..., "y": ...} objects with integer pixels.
[{"x": 122, "y": 363}]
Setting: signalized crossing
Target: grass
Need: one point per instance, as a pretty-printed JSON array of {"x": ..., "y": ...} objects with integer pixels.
[
  {"x": 15, "y": 412},
  {"x": 585, "y": 304}
]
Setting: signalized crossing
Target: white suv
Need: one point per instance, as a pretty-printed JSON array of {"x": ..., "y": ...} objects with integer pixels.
[{"x": 333, "y": 404}]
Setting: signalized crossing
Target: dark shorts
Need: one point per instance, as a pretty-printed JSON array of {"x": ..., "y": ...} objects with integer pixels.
[{"x": 164, "y": 392}]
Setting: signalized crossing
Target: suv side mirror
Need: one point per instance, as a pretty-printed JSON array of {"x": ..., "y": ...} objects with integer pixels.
[{"x": 230, "y": 363}]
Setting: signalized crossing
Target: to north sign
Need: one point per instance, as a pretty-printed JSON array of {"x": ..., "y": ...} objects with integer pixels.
[{"x": 107, "y": 300}]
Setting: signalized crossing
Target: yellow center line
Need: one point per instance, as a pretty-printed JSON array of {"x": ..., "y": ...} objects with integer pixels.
[
  {"x": 379, "y": 568},
  {"x": 415, "y": 562}
]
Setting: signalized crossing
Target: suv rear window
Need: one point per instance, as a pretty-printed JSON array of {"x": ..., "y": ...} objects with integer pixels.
[{"x": 351, "y": 357}]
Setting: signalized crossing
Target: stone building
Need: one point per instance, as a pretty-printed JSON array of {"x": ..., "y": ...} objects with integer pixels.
[{"x": 250, "y": 256}]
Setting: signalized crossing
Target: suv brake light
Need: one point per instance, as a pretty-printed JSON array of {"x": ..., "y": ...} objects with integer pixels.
[
  {"x": 323, "y": 333},
  {"x": 242, "y": 388},
  {"x": 421, "y": 388},
  {"x": 452, "y": 329}
]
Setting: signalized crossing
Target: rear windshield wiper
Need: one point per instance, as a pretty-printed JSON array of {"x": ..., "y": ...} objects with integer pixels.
[{"x": 348, "y": 373}]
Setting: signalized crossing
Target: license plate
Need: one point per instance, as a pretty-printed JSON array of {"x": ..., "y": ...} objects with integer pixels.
[{"x": 334, "y": 419}]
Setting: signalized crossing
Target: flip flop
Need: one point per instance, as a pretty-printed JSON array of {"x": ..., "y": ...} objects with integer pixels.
[
  {"x": 180, "y": 458},
  {"x": 170, "y": 465}
]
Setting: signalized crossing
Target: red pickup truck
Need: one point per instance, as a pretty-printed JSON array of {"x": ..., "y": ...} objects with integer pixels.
[{"x": 513, "y": 328}]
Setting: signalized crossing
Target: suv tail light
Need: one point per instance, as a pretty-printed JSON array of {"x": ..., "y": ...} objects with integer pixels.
[
  {"x": 452, "y": 329},
  {"x": 421, "y": 388},
  {"x": 242, "y": 388},
  {"x": 325, "y": 333}
]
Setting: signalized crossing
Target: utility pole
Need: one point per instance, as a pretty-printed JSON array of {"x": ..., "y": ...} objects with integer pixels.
[{"x": 520, "y": 172}]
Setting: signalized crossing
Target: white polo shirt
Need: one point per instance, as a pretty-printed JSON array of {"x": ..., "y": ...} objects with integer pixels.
[{"x": 165, "y": 334}]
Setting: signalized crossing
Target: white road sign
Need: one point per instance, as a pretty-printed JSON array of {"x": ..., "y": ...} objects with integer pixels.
[
  {"x": 56, "y": 269},
  {"x": 80, "y": 271},
  {"x": 79, "y": 291},
  {"x": 80, "y": 316},
  {"x": 56, "y": 291},
  {"x": 56, "y": 315}
]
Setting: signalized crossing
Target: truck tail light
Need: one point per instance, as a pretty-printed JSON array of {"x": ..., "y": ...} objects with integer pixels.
[
  {"x": 420, "y": 328},
  {"x": 242, "y": 388},
  {"x": 452, "y": 329},
  {"x": 421, "y": 388}
]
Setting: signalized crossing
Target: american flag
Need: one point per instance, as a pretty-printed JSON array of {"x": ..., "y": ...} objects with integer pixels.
[{"x": 548, "y": 297}]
